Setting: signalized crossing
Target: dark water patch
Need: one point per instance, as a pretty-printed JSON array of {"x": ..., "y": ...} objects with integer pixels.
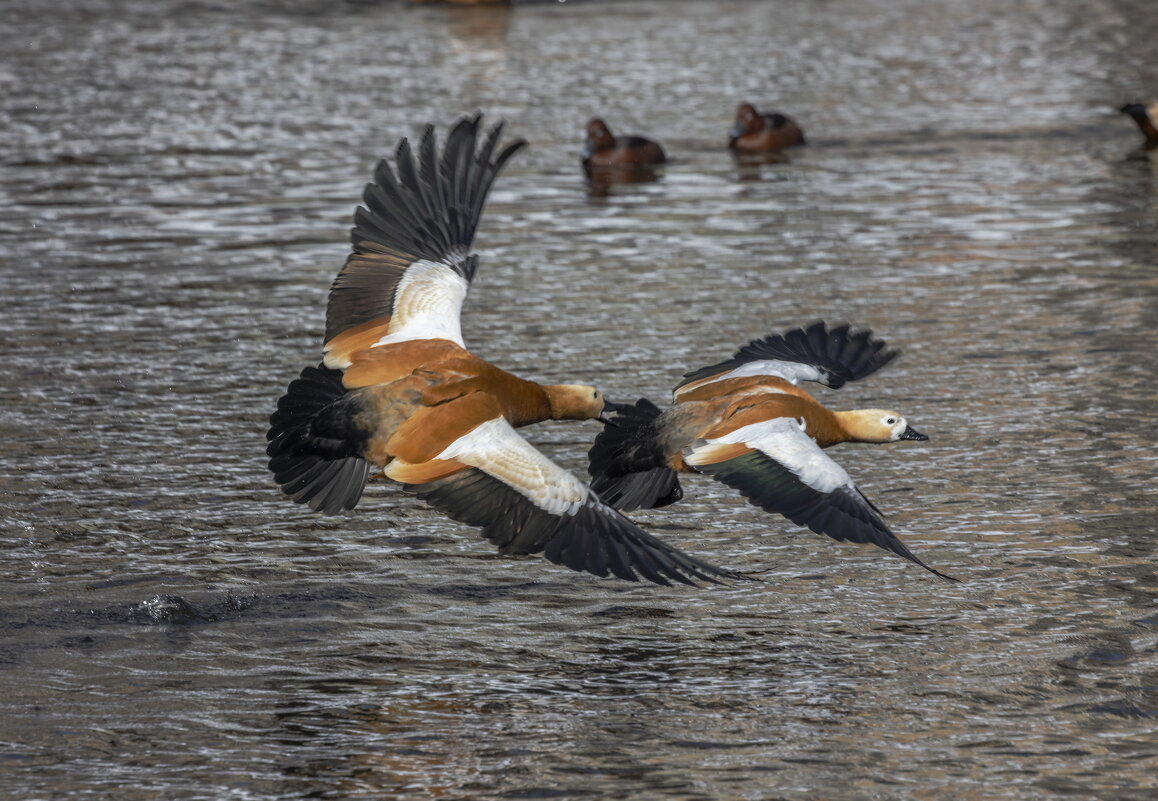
[
  {"x": 631, "y": 612},
  {"x": 1122, "y": 709},
  {"x": 164, "y": 609}
]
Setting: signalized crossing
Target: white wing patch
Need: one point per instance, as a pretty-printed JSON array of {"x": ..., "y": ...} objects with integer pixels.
[
  {"x": 427, "y": 304},
  {"x": 784, "y": 440},
  {"x": 497, "y": 449},
  {"x": 792, "y": 372}
]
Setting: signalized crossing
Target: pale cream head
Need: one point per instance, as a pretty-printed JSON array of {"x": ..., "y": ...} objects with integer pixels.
[
  {"x": 878, "y": 425},
  {"x": 574, "y": 401}
]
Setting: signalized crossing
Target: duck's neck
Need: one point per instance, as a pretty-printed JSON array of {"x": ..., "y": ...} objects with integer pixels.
[
  {"x": 857, "y": 425},
  {"x": 530, "y": 405},
  {"x": 828, "y": 429}
]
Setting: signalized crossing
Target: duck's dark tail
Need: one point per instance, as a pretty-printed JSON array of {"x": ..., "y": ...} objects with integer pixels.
[
  {"x": 315, "y": 442},
  {"x": 1142, "y": 116},
  {"x": 627, "y": 464}
]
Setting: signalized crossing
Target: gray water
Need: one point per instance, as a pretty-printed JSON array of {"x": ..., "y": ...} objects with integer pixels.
[{"x": 176, "y": 187}]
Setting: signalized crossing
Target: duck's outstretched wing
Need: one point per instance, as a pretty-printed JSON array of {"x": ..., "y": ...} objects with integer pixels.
[
  {"x": 493, "y": 478},
  {"x": 411, "y": 265},
  {"x": 781, "y": 469},
  {"x": 831, "y": 356}
]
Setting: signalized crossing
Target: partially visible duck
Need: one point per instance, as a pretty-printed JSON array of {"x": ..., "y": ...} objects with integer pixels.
[
  {"x": 1147, "y": 119},
  {"x": 602, "y": 149},
  {"x": 398, "y": 394},
  {"x": 747, "y": 423},
  {"x": 753, "y": 132}
]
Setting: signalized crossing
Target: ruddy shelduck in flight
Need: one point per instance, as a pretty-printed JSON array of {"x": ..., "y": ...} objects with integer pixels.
[
  {"x": 747, "y": 423},
  {"x": 398, "y": 393}
]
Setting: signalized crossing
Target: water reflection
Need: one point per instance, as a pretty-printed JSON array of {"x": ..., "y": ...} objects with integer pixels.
[
  {"x": 751, "y": 166},
  {"x": 479, "y": 28},
  {"x": 603, "y": 181}
]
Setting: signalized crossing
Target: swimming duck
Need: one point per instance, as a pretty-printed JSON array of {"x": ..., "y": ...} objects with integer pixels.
[
  {"x": 747, "y": 423},
  {"x": 398, "y": 394},
  {"x": 1147, "y": 119},
  {"x": 602, "y": 149},
  {"x": 753, "y": 132}
]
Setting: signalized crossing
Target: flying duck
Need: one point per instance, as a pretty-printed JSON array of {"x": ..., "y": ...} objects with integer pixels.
[
  {"x": 753, "y": 132},
  {"x": 398, "y": 394},
  {"x": 1147, "y": 119},
  {"x": 747, "y": 423}
]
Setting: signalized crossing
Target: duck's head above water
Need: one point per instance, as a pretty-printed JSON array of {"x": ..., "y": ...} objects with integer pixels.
[
  {"x": 748, "y": 121},
  {"x": 599, "y": 135}
]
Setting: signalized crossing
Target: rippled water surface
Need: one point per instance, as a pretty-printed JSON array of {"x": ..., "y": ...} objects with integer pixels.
[{"x": 176, "y": 186}]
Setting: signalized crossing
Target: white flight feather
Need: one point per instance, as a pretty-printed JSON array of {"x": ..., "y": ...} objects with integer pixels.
[
  {"x": 427, "y": 304},
  {"x": 497, "y": 449},
  {"x": 792, "y": 372},
  {"x": 784, "y": 440}
]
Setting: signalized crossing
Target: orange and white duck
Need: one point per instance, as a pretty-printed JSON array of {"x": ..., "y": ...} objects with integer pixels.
[
  {"x": 748, "y": 423},
  {"x": 398, "y": 393}
]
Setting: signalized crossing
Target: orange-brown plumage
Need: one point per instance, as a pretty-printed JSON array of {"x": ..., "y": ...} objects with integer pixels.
[
  {"x": 604, "y": 149},
  {"x": 398, "y": 392},
  {"x": 748, "y": 423},
  {"x": 430, "y": 429},
  {"x": 362, "y": 337},
  {"x": 713, "y": 388},
  {"x": 820, "y": 423},
  {"x": 454, "y": 371},
  {"x": 753, "y": 132}
]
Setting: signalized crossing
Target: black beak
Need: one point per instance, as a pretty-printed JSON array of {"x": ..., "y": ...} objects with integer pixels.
[
  {"x": 610, "y": 407},
  {"x": 912, "y": 433}
]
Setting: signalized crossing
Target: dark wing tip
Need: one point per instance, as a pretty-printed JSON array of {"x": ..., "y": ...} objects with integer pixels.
[
  {"x": 839, "y": 352},
  {"x": 647, "y": 489},
  {"x": 637, "y": 550},
  {"x": 843, "y": 514},
  {"x": 426, "y": 207},
  {"x": 592, "y": 538}
]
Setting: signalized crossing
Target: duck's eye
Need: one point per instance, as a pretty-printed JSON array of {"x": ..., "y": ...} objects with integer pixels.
[{"x": 892, "y": 421}]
